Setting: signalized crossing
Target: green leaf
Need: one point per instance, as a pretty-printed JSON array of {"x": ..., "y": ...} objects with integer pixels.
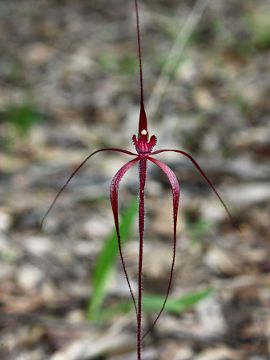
[
  {"x": 153, "y": 303},
  {"x": 106, "y": 262}
]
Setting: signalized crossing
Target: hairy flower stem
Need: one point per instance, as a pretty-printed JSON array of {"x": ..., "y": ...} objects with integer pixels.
[{"x": 142, "y": 179}]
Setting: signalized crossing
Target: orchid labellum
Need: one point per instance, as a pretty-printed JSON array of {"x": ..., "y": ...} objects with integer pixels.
[{"x": 144, "y": 153}]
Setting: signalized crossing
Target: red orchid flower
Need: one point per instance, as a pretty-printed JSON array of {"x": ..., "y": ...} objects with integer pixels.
[{"x": 144, "y": 153}]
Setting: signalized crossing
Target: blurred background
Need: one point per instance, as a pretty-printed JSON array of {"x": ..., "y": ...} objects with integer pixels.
[{"x": 69, "y": 85}]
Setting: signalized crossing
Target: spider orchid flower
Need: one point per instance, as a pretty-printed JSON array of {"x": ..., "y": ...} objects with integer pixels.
[{"x": 144, "y": 153}]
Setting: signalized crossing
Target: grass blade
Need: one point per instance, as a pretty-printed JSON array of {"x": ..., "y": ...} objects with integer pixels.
[
  {"x": 153, "y": 303},
  {"x": 106, "y": 261}
]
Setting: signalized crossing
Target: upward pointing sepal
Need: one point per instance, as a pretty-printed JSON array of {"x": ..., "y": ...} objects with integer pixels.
[
  {"x": 142, "y": 131},
  {"x": 141, "y": 143}
]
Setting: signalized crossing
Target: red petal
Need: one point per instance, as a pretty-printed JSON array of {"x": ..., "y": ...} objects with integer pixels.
[{"x": 114, "y": 203}]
